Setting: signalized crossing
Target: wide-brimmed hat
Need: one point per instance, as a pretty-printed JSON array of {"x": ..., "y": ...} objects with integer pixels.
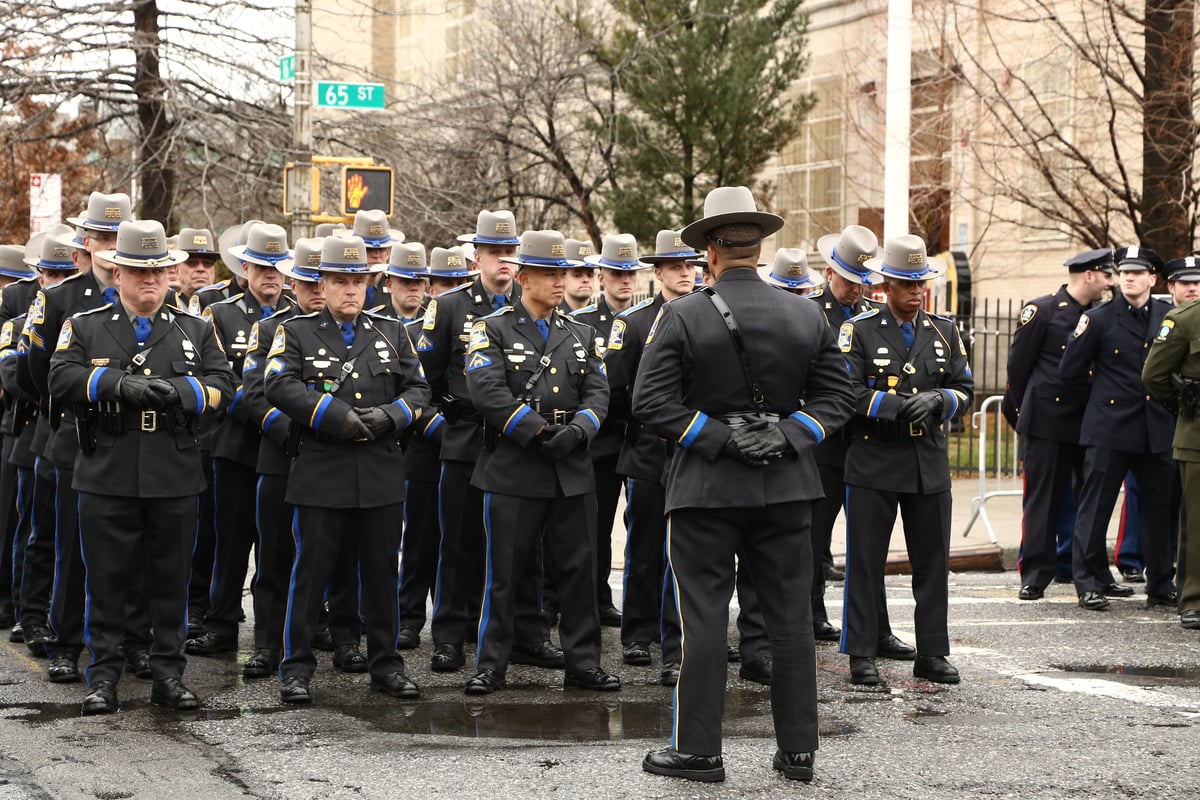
[
  {"x": 847, "y": 252},
  {"x": 669, "y": 246},
  {"x": 579, "y": 249},
  {"x": 105, "y": 212},
  {"x": 1134, "y": 258},
  {"x": 546, "y": 249},
  {"x": 198, "y": 242},
  {"x": 450, "y": 262},
  {"x": 617, "y": 251},
  {"x": 348, "y": 255},
  {"x": 12, "y": 261},
  {"x": 729, "y": 205},
  {"x": 229, "y": 238},
  {"x": 142, "y": 244},
  {"x": 63, "y": 233},
  {"x": 493, "y": 227},
  {"x": 306, "y": 261},
  {"x": 371, "y": 225},
  {"x": 905, "y": 258},
  {"x": 408, "y": 261},
  {"x": 1183, "y": 269},
  {"x": 790, "y": 270},
  {"x": 266, "y": 245},
  {"x": 324, "y": 229}
]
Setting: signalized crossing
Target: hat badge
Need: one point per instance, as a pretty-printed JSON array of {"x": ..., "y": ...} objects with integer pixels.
[
  {"x": 558, "y": 250},
  {"x": 112, "y": 212},
  {"x": 454, "y": 261},
  {"x": 586, "y": 250},
  {"x": 503, "y": 227},
  {"x": 150, "y": 242},
  {"x": 351, "y": 252},
  {"x": 795, "y": 269},
  {"x": 62, "y": 252},
  {"x": 624, "y": 252},
  {"x": 199, "y": 240},
  {"x": 376, "y": 230},
  {"x": 314, "y": 259},
  {"x": 414, "y": 259},
  {"x": 679, "y": 243},
  {"x": 274, "y": 247},
  {"x": 916, "y": 259},
  {"x": 864, "y": 257}
]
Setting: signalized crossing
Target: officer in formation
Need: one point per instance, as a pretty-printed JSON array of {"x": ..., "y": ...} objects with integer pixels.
[
  {"x": 910, "y": 373},
  {"x": 1047, "y": 410},
  {"x": 136, "y": 374},
  {"x": 752, "y": 435},
  {"x": 1172, "y": 375}
]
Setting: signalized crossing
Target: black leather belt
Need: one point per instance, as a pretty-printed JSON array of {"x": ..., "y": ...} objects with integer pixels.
[
  {"x": 889, "y": 431},
  {"x": 148, "y": 421},
  {"x": 559, "y": 417}
]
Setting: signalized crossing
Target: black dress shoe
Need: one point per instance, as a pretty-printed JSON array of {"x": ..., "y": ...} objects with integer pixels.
[
  {"x": 669, "y": 675},
  {"x": 794, "y": 766},
  {"x": 485, "y": 681},
  {"x": 408, "y": 638},
  {"x": 833, "y": 574},
  {"x": 636, "y": 654},
  {"x": 825, "y": 631},
  {"x": 1117, "y": 590},
  {"x": 210, "y": 644},
  {"x": 396, "y": 684},
  {"x": 610, "y": 617},
  {"x": 936, "y": 669},
  {"x": 594, "y": 679},
  {"x": 17, "y": 634},
  {"x": 323, "y": 641},
  {"x": 891, "y": 647},
  {"x": 447, "y": 658},
  {"x": 63, "y": 669},
  {"x": 138, "y": 663},
  {"x": 260, "y": 665},
  {"x": 1169, "y": 600},
  {"x": 549, "y": 616},
  {"x": 1132, "y": 575},
  {"x": 1190, "y": 620},
  {"x": 36, "y": 636},
  {"x": 1093, "y": 601},
  {"x": 195, "y": 625},
  {"x": 709, "y": 769},
  {"x": 758, "y": 671},
  {"x": 732, "y": 654},
  {"x": 542, "y": 654},
  {"x": 294, "y": 691},
  {"x": 863, "y": 671},
  {"x": 100, "y": 699},
  {"x": 1031, "y": 592},
  {"x": 171, "y": 692},
  {"x": 348, "y": 658}
]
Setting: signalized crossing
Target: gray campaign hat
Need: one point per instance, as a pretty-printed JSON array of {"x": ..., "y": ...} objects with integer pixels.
[
  {"x": 617, "y": 251},
  {"x": 847, "y": 252},
  {"x": 408, "y": 261},
  {"x": 105, "y": 212},
  {"x": 790, "y": 270},
  {"x": 12, "y": 261},
  {"x": 371, "y": 225},
  {"x": 328, "y": 229},
  {"x": 348, "y": 254},
  {"x": 543, "y": 249},
  {"x": 63, "y": 233},
  {"x": 450, "y": 262},
  {"x": 729, "y": 205},
  {"x": 669, "y": 246},
  {"x": 905, "y": 258},
  {"x": 579, "y": 249},
  {"x": 198, "y": 241},
  {"x": 231, "y": 236},
  {"x": 306, "y": 261},
  {"x": 142, "y": 244},
  {"x": 1183, "y": 269},
  {"x": 493, "y": 227},
  {"x": 266, "y": 245}
]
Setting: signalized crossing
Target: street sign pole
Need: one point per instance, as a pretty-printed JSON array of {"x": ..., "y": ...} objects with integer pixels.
[{"x": 302, "y": 219}]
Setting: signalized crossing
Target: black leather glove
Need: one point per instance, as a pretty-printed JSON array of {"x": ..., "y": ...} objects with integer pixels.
[
  {"x": 763, "y": 441},
  {"x": 166, "y": 392},
  {"x": 920, "y": 407},
  {"x": 135, "y": 390},
  {"x": 563, "y": 442},
  {"x": 377, "y": 421},
  {"x": 739, "y": 444},
  {"x": 353, "y": 429}
]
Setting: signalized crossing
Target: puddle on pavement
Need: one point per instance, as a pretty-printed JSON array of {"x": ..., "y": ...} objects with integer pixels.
[
  {"x": 45, "y": 713},
  {"x": 1189, "y": 674}
]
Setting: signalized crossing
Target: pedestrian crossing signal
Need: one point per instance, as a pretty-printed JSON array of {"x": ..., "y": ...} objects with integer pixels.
[{"x": 366, "y": 189}]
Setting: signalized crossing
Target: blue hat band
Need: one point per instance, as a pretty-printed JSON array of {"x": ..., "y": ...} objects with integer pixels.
[
  {"x": 143, "y": 256},
  {"x": 496, "y": 240},
  {"x": 345, "y": 267},
  {"x": 677, "y": 254},
  {"x": 908, "y": 276},
  {"x": 269, "y": 257},
  {"x": 384, "y": 242},
  {"x": 792, "y": 283},
  {"x": 535, "y": 261},
  {"x": 12, "y": 273},
  {"x": 43, "y": 264},
  {"x": 306, "y": 274},
  {"x": 414, "y": 275},
  {"x": 862, "y": 273},
  {"x": 625, "y": 265},
  {"x": 102, "y": 224}
]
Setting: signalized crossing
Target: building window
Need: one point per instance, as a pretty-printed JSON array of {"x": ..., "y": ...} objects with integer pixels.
[
  {"x": 1047, "y": 171},
  {"x": 809, "y": 183}
]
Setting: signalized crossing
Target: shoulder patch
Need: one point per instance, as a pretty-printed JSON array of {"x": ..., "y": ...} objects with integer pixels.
[
  {"x": 6, "y": 334},
  {"x": 279, "y": 343},
  {"x": 616, "y": 337},
  {"x": 846, "y": 336},
  {"x": 64, "y": 336},
  {"x": 424, "y": 344},
  {"x": 1165, "y": 330},
  {"x": 654, "y": 326},
  {"x": 37, "y": 310},
  {"x": 478, "y": 361},
  {"x": 252, "y": 342},
  {"x": 1082, "y": 327},
  {"x": 430, "y": 317},
  {"x": 1028, "y": 313},
  {"x": 194, "y": 305},
  {"x": 479, "y": 337},
  {"x": 206, "y": 312}
]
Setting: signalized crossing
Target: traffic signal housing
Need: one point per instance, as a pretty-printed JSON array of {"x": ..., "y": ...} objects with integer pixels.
[{"x": 366, "y": 188}]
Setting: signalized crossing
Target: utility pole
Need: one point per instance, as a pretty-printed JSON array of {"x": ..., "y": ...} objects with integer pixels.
[
  {"x": 898, "y": 121},
  {"x": 302, "y": 132}
]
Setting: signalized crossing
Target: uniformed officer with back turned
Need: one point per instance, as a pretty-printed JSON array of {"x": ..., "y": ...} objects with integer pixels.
[
  {"x": 138, "y": 375},
  {"x": 746, "y": 379}
]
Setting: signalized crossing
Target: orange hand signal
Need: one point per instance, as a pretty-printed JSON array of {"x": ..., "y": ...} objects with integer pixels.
[{"x": 356, "y": 190}]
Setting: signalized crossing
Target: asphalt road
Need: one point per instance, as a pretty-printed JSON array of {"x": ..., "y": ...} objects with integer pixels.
[{"x": 1055, "y": 702}]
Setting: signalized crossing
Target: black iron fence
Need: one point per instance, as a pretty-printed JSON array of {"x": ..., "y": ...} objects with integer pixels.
[{"x": 987, "y": 333}]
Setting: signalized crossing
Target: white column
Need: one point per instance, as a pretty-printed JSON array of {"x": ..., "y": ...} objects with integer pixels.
[{"x": 897, "y": 158}]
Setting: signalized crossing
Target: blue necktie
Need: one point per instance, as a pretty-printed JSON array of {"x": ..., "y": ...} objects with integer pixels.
[
  {"x": 499, "y": 301},
  {"x": 906, "y": 330},
  {"x": 141, "y": 329},
  {"x": 544, "y": 327},
  {"x": 846, "y": 312},
  {"x": 268, "y": 311},
  {"x": 348, "y": 334},
  {"x": 110, "y": 295}
]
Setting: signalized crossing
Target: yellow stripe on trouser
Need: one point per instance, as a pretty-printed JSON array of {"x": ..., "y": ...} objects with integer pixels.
[{"x": 682, "y": 639}]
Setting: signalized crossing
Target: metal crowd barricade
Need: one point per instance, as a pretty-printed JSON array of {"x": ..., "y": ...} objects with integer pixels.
[{"x": 992, "y": 479}]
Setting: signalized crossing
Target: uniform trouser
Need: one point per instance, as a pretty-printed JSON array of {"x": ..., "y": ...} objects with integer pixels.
[
  {"x": 67, "y": 595},
  {"x": 274, "y": 555},
  {"x": 206, "y": 536},
  {"x": 753, "y": 641},
  {"x": 565, "y": 528},
  {"x": 323, "y": 537},
  {"x": 1128, "y": 552},
  {"x": 1052, "y": 469},
  {"x": 37, "y": 573},
  {"x": 1066, "y": 531},
  {"x": 1103, "y": 471},
  {"x": 1189, "y": 537},
  {"x": 775, "y": 543},
  {"x": 24, "y": 503},
  {"x": 121, "y": 536},
  {"x": 608, "y": 491},
  {"x": 648, "y": 609},
  {"x": 233, "y": 497},
  {"x": 8, "y": 519},
  {"x": 824, "y": 515},
  {"x": 418, "y": 555},
  {"x": 870, "y": 518}
]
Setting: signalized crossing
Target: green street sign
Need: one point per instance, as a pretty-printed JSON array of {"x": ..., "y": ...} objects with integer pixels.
[
  {"x": 331, "y": 94},
  {"x": 287, "y": 69}
]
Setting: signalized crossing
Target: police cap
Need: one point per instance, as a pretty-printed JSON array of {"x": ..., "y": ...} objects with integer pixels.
[
  {"x": 1134, "y": 257},
  {"x": 1183, "y": 269},
  {"x": 1100, "y": 260}
]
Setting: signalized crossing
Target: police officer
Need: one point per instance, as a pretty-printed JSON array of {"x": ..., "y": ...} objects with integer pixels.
[
  {"x": 581, "y": 280},
  {"x": 745, "y": 379},
  {"x": 1047, "y": 411},
  {"x": 1172, "y": 374},
  {"x": 536, "y": 377},
  {"x": 1123, "y": 430},
  {"x": 138, "y": 374},
  {"x": 910, "y": 372},
  {"x": 407, "y": 282},
  {"x": 197, "y": 272},
  {"x": 371, "y": 225},
  {"x": 227, "y": 288},
  {"x": 351, "y": 383}
]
